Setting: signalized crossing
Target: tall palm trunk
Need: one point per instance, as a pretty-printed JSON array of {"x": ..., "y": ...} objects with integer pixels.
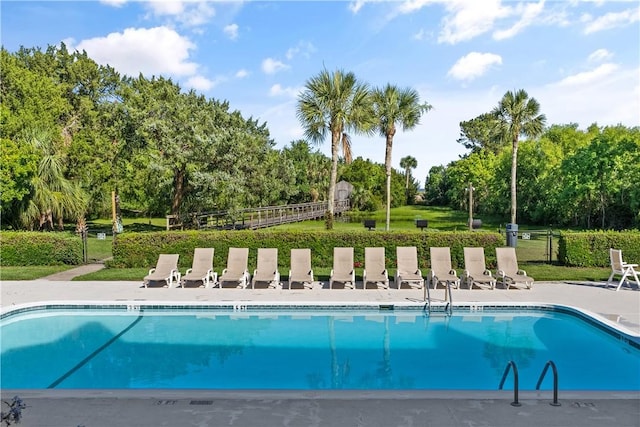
[
  {"x": 514, "y": 166},
  {"x": 335, "y": 141},
  {"x": 387, "y": 162}
]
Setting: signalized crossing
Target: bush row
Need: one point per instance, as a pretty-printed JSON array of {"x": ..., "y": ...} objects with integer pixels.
[
  {"x": 591, "y": 249},
  {"x": 21, "y": 248},
  {"x": 142, "y": 249}
]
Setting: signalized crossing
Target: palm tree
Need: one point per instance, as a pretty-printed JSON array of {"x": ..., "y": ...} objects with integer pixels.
[
  {"x": 516, "y": 115},
  {"x": 395, "y": 106},
  {"x": 335, "y": 104},
  {"x": 53, "y": 196},
  {"x": 407, "y": 163}
]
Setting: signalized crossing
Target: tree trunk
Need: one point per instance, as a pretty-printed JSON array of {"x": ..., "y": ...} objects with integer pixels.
[
  {"x": 178, "y": 188},
  {"x": 514, "y": 166},
  {"x": 335, "y": 140},
  {"x": 387, "y": 163}
]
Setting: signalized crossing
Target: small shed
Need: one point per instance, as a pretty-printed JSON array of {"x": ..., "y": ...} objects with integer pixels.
[{"x": 343, "y": 191}]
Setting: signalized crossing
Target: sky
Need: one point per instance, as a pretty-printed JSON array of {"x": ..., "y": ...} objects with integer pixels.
[{"x": 579, "y": 59}]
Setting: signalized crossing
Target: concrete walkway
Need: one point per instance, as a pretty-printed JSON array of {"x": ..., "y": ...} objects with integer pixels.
[
  {"x": 97, "y": 408},
  {"x": 68, "y": 275}
]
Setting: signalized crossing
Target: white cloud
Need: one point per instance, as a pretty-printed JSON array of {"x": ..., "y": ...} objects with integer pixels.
[
  {"x": 272, "y": 66},
  {"x": 419, "y": 35},
  {"x": 200, "y": 83},
  {"x": 588, "y": 77},
  {"x": 468, "y": 19},
  {"x": 114, "y": 3},
  {"x": 410, "y": 6},
  {"x": 278, "y": 90},
  {"x": 530, "y": 13},
  {"x": 231, "y": 31},
  {"x": 150, "y": 51},
  {"x": 241, "y": 74},
  {"x": 600, "y": 55},
  {"x": 473, "y": 65},
  {"x": 611, "y": 20},
  {"x": 355, "y": 6},
  {"x": 608, "y": 96},
  {"x": 191, "y": 13},
  {"x": 303, "y": 48}
]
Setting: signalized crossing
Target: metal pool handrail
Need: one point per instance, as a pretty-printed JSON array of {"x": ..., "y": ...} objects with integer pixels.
[
  {"x": 555, "y": 381},
  {"x": 515, "y": 381}
]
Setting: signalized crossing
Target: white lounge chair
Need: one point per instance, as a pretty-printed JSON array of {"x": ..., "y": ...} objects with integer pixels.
[
  {"x": 375, "y": 270},
  {"x": 343, "y": 271},
  {"x": 236, "y": 271},
  {"x": 201, "y": 269},
  {"x": 407, "y": 270},
  {"x": 301, "y": 271},
  {"x": 475, "y": 270},
  {"x": 508, "y": 270},
  {"x": 441, "y": 270},
  {"x": 618, "y": 266},
  {"x": 266, "y": 268},
  {"x": 166, "y": 270}
]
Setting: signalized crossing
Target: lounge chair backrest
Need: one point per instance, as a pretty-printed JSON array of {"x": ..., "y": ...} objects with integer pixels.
[
  {"x": 474, "y": 261},
  {"x": 237, "y": 260},
  {"x": 616, "y": 259},
  {"x": 300, "y": 261},
  {"x": 440, "y": 260},
  {"x": 407, "y": 259},
  {"x": 507, "y": 261},
  {"x": 202, "y": 259},
  {"x": 166, "y": 263},
  {"x": 374, "y": 261},
  {"x": 267, "y": 260},
  {"x": 342, "y": 260}
]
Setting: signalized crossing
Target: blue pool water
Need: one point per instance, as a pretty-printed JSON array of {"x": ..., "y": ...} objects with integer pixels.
[{"x": 306, "y": 350}]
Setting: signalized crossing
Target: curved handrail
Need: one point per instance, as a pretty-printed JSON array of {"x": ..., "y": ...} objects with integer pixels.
[
  {"x": 511, "y": 364},
  {"x": 450, "y": 306},
  {"x": 555, "y": 381},
  {"x": 427, "y": 296}
]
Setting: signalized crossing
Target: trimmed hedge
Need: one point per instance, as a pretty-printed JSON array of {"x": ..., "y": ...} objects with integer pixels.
[
  {"x": 591, "y": 248},
  {"x": 19, "y": 248},
  {"x": 142, "y": 249}
]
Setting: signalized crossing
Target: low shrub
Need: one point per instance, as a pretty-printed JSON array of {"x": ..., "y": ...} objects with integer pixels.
[
  {"x": 19, "y": 248},
  {"x": 591, "y": 248},
  {"x": 142, "y": 249}
]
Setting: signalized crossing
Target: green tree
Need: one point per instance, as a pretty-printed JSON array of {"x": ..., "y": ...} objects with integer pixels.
[
  {"x": 395, "y": 107},
  {"x": 435, "y": 186},
  {"x": 408, "y": 163},
  {"x": 334, "y": 103},
  {"x": 53, "y": 197},
  {"x": 480, "y": 134},
  {"x": 517, "y": 115}
]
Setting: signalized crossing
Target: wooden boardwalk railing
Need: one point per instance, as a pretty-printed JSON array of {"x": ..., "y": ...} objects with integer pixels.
[{"x": 254, "y": 218}]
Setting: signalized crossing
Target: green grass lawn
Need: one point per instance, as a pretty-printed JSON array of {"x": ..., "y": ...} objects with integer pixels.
[{"x": 31, "y": 272}]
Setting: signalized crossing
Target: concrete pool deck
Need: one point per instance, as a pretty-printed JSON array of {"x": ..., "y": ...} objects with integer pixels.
[{"x": 98, "y": 408}]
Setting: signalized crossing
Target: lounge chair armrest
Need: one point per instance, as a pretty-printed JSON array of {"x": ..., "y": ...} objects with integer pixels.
[
  {"x": 151, "y": 271},
  {"x": 522, "y": 272},
  {"x": 224, "y": 271},
  {"x": 501, "y": 273},
  {"x": 487, "y": 273},
  {"x": 452, "y": 271},
  {"x": 189, "y": 270}
]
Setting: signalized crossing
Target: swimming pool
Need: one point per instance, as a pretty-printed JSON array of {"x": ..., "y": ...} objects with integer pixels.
[{"x": 304, "y": 349}]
